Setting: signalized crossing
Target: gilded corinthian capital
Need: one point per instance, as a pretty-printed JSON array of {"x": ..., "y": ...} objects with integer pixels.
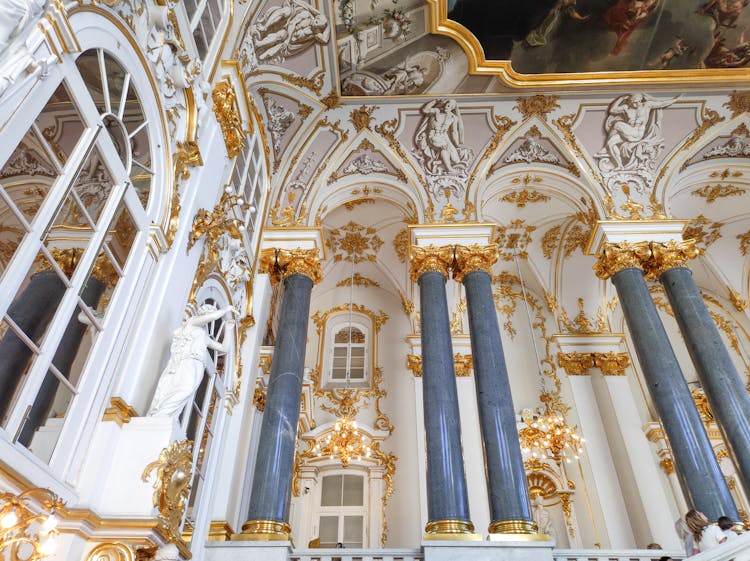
[
  {"x": 430, "y": 259},
  {"x": 281, "y": 263},
  {"x": 618, "y": 256},
  {"x": 474, "y": 258},
  {"x": 668, "y": 255}
]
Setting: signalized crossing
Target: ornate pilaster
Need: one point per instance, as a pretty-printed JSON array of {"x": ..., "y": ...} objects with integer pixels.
[
  {"x": 447, "y": 495},
  {"x": 701, "y": 479},
  {"x": 721, "y": 382},
  {"x": 268, "y": 517},
  {"x": 510, "y": 507}
]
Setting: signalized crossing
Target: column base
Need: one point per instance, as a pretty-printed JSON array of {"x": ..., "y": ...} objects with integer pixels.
[
  {"x": 512, "y": 527},
  {"x": 452, "y": 530},
  {"x": 264, "y": 531}
]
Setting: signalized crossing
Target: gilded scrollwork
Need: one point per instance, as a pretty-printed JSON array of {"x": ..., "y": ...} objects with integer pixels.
[
  {"x": 173, "y": 475},
  {"x": 378, "y": 319},
  {"x": 227, "y": 114},
  {"x": 612, "y": 363},
  {"x": 513, "y": 239},
  {"x": 738, "y": 103},
  {"x": 354, "y": 243},
  {"x": 524, "y": 197},
  {"x": 575, "y": 364},
  {"x": 537, "y": 106},
  {"x": 430, "y": 259}
]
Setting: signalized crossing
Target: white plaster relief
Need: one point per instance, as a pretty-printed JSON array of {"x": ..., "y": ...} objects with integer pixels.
[
  {"x": 633, "y": 140},
  {"x": 531, "y": 150}
]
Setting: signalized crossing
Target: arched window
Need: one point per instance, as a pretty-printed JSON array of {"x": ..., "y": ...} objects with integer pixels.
[
  {"x": 205, "y": 19},
  {"x": 342, "y": 515},
  {"x": 348, "y": 351},
  {"x": 73, "y": 199}
]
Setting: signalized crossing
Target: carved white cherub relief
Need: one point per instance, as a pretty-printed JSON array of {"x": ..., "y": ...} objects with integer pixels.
[{"x": 439, "y": 138}]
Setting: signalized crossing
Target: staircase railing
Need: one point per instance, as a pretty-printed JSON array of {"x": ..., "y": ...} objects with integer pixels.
[{"x": 357, "y": 555}]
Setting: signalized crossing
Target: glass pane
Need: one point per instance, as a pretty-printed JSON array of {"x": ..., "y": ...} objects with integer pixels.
[
  {"x": 330, "y": 494},
  {"x": 16, "y": 358},
  {"x": 354, "y": 490},
  {"x": 201, "y": 44},
  {"x": 119, "y": 137},
  {"x": 12, "y": 232},
  {"x": 117, "y": 81},
  {"x": 353, "y": 526},
  {"x": 329, "y": 531},
  {"x": 73, "y": 349},
  {"x": 190, "y": 7},
  {"x": 45, "y": 418},
  {"x": 94, "y": 184},
  {"x": 28, "y": 175},
  {"x": 99, "y": 286},
  {"x": 37, "y": 301},
  {"x": 196, "y": 408},
  {"x": 121, "y": 235},
  {"x": 61, "y": 124},
  {"x": 88, "y": 66}
]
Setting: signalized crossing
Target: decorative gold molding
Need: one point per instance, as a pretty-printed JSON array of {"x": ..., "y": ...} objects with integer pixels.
[
  {"x": 227, "y": 114},
  {"x": 115, "y": 551},
  {"x": 188, "y": 155},
  {"x": 414, "y": 363},
  {"x": 378, "y": 320},
  {"x": 512, "y": 527},
  {"x": 513, "y": 239},
  {"x": 358, "y": 243},
  {"x": 361, "y": 117},
  {"x": 524, "y": 197},
  {"x": 667, "y": 465},
  {"x": 463, "y": 364},
  {"x": 259, "y": 398},
  {"x": 119, "y": 411},
  {"x": 171, "y": 487},
  {"x": 612, "y": 363},
  {"x": 264, "y": 530},
  {"x": 739, "y": 303},
  {"x": 264, "y": 363},
  {"x": 701, "y": 403},
  {"x": 668, "y": 255},
  {"x": 358, "y": 280},
  {"x": 469, "y": 259},
  {"x": 430, "y": 259},
  {"x": 575, "y": 364},
  {"x": 219, "y": 531},
  {"x": 581, "y": 323},
  {"x": 537, "y": 105},
  {"x": 618, "y": 256},
  {"x": 739, "y": 103},
  {"x": 281, "y": 263}
]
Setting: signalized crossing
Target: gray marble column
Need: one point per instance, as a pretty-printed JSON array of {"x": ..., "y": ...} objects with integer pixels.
[
  {"x": 268, "y": 516},
  {"x": 721, "y": 382},
  {"x": 447, "y": 497},
  {"x": 32, "y": 311},
  {"x": 510, "y": 507},
  {"x": 694, "y": 460}
]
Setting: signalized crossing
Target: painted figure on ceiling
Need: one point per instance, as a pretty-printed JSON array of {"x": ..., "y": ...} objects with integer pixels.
[
  {"x": 625, "y": 17},
  {"x": 725, "y": 13},
  {"x": 540, "y": 35}
]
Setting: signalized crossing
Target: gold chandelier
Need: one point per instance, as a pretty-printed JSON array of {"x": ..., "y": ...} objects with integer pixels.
[
  {"x": 548, "y": 435},
  {"x": 344, "y": 442},
  {"x": 28, "y": 524}
]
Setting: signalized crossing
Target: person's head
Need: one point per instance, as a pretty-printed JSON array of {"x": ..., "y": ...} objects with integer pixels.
[
  {"x": 654, "y": 545},
  {"x": 696, "y": 522},
  {"x": 665, "y": 558},
  {"x": 725, "y": 523}
]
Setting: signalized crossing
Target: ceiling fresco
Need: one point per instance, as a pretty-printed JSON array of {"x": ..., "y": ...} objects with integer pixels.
[{"x": 407, "y": 47}]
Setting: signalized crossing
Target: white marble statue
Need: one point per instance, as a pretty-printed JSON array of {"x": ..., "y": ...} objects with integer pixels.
[
  {"x": 167, "y": 552},
  {"x": 285, "y": 30},
  {"x": 187, "y": 361},
  {"x": 439, "y": 138},
  {"x": 634, "y": 135},
  {"x": 542, "y": 517}
]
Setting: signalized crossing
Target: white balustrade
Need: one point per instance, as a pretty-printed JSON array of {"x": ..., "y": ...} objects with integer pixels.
[
  {"x": 615, "y": 554},
  {"x": 356, "y": 555}
]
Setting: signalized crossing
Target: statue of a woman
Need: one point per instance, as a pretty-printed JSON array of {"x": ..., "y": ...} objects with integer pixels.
[{"x": 188, "y": 354}]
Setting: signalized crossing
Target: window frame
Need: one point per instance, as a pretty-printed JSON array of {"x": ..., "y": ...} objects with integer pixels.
[{"x": 342, "y": 511}]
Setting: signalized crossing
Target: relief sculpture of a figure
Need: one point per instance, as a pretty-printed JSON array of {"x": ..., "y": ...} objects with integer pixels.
[
  {"x": 285, "y": 30},
  {"x": 634, "y": 136},
  {"x": 439, "y": 139},
  {"x": 187, "y": 361}
]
